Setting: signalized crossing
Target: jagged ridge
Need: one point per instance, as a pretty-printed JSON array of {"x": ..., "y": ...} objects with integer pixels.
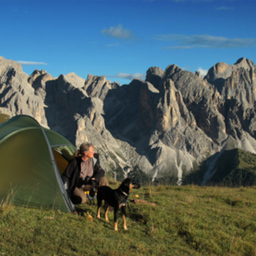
[{"x": 163, "y": 126}]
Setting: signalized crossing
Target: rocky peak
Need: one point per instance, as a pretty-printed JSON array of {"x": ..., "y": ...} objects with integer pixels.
[
  {"x": 163, "y": 125},
  {"x": 245, "y": 63},
  {"x": 7, "y": 65},
  {"x": 170, "y": 70},
  {"x": 38, "y": 80},
  {"x": 154, "y": 75},
  {"x": 197, "y": 73},
  {"x": 98, "y": 86},
  {"x": 74, "y": 80},
  {"x": 221, "y": 71},
  {"x": 17, "y": 95},
  {"x": 35, "y": 74}
]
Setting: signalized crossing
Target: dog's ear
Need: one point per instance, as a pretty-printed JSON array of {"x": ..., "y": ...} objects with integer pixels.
[
  {"x": 126, "y": 185},
  {"x": 127, "y": 182},
  {"x": 135, "y": 184}
]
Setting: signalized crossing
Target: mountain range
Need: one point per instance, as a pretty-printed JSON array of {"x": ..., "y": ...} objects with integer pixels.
[{"x": 159, "y": 129}]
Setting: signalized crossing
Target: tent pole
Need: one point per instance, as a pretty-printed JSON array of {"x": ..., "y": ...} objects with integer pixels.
[{"x": 65, "y": 196}]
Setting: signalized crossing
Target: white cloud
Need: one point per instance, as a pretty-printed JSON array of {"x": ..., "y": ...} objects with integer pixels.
[
  {"x": 178, "y": 47},
  {"x": 118, "y": 32},
  {"x": 203, "y": 72},
  {"x": 129, "y": 76},
  {"x": 205, "y": 41},
  {"x": 27, "y": 63}
]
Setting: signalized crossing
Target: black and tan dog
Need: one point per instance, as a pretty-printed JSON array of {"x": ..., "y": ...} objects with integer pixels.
[{"x": 117, "y": 198}]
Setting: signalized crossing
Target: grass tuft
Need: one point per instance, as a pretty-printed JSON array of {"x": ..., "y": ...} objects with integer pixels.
[{"x": 5, "y": 205}]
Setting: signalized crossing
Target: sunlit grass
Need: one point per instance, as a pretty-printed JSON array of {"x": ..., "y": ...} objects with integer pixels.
[{"x": 187, "y": 220}]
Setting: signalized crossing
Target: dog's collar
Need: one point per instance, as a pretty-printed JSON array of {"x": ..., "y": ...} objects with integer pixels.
[{"x": 124, "y": 193}]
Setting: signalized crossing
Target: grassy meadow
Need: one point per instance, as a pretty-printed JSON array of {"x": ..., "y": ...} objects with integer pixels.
[{"x": 187, "y": 220}]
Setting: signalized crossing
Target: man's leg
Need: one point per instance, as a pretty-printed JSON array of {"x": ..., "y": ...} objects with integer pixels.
[
  {"x": 79, "y": 197},
  {"x": 103, "y": 182}
]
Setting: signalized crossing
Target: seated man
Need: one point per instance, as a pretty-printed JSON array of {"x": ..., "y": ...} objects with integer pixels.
[{"x": 83, "y": 175}]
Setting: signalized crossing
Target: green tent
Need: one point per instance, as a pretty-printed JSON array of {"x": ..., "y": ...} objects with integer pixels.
[{"x": 32, "y": 159}]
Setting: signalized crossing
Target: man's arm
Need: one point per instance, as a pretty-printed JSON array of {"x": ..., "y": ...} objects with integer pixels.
[
  {"x": 68, "y": 173},
  {"x": 98, "y": 172}
]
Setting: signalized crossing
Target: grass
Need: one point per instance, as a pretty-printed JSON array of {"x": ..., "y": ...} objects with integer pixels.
[{"x": 187, "y": 220}]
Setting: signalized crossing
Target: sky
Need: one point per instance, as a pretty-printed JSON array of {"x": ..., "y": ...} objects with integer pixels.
[{"x": 122, "y": 39}]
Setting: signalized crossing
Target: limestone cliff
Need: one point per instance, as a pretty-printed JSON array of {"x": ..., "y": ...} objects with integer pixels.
[{"x": 163, "y": 126}]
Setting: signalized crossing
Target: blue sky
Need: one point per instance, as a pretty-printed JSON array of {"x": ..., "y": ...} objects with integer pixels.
[{"x": 121, "y": 39}]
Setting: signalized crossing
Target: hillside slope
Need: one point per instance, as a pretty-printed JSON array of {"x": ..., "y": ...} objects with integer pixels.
[{"x": 233, "y": 168}]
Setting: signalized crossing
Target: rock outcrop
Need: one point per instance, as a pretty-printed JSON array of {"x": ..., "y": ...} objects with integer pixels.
[
  {"x": 163, "y": 126},
  {"x": 17, "y": 96}
]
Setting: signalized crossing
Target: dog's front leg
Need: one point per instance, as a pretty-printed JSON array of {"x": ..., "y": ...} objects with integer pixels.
[
  {"x": 98, "y": 213},
  {"x": 124, "y": 221},
  {"x": 115, "y": 226},
  {"x": 106, "y": 214},
  {"x": 99, "y": 201},
  {"x": 123, "y": 209},
  {"x": 115, "y": 219}
]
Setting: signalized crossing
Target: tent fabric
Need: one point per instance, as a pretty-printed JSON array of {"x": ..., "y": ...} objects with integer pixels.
[{"x": 32, "y": 159}]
